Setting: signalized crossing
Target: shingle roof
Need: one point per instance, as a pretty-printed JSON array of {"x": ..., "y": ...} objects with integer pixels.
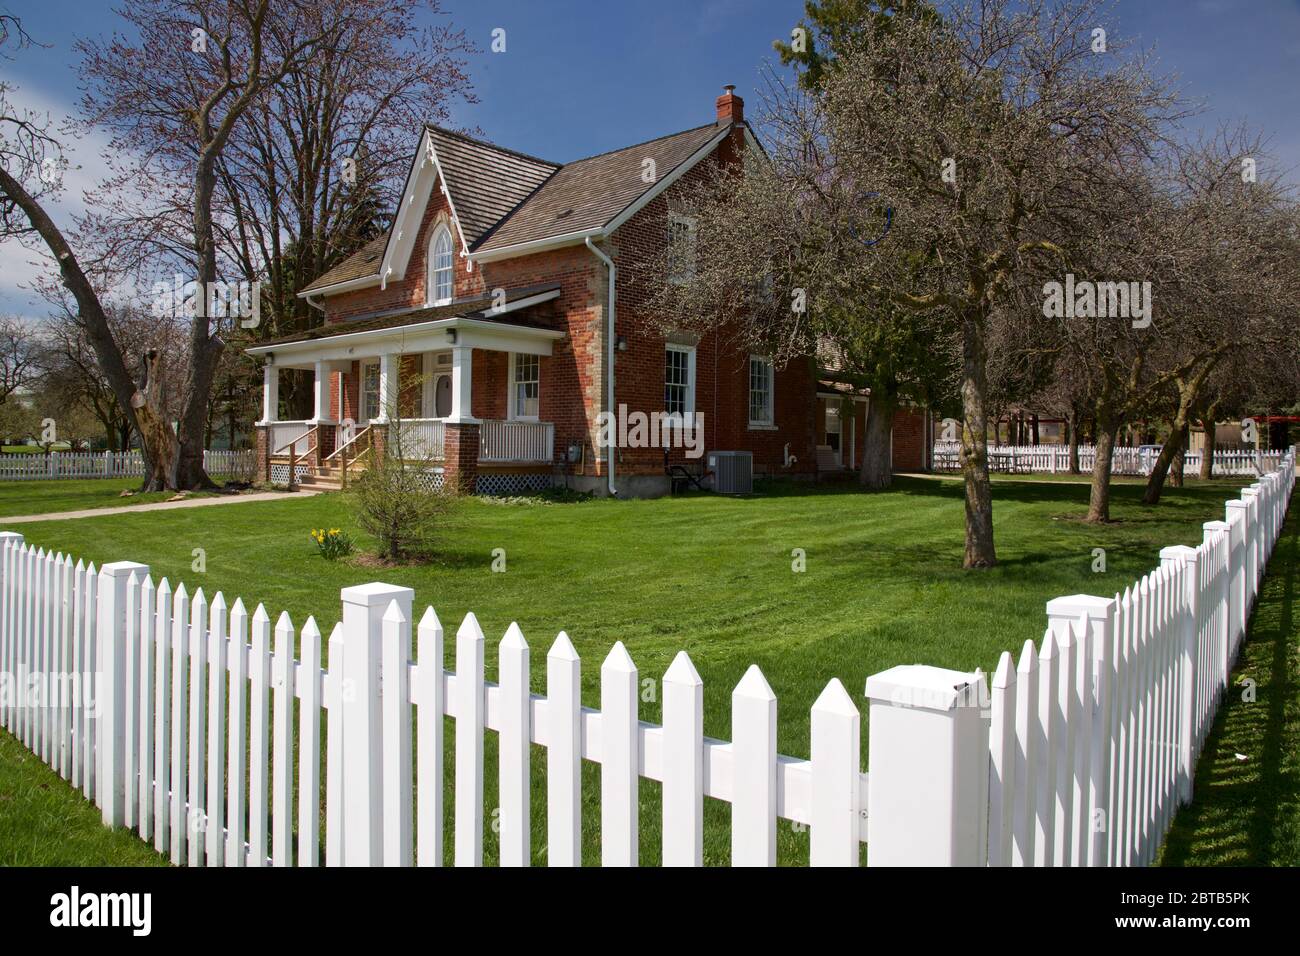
[
  {"x": 503, "y": 197},
  {"x": 361, "y": 264},
  {"x": 589, "y": 193},
  {"x": 475, "y": 307},
  {"x": 486, "y": 181}
]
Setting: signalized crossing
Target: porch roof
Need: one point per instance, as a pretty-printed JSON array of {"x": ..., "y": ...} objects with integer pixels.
[{"x": 475, "y": 322}]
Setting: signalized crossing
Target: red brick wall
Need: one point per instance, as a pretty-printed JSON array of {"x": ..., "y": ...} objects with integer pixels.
[{"x": 909, "y": 439}]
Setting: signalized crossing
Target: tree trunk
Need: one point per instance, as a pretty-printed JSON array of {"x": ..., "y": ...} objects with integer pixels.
[
  {"x": 1099, "y": 494},
  {"x": 980, "y": 551},
  {"x": 1207, "y": 453},
  {"x": 1180, "y": 460},
  {"x": 877, "y": 470},
  {"x": 1160, "y": 470}
]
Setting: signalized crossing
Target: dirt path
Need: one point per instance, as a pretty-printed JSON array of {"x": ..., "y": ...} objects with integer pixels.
[{"x": 158, "y": 506}]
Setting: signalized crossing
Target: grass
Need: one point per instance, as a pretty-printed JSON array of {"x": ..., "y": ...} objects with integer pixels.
[
  {"x": 45, "y": 822},
  {"x": 706, "y": 574},
  {"x": 72, "y": 494},
  {"x": 1245, "y": 808}
]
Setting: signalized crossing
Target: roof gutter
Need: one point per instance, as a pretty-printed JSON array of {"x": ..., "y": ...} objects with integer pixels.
[{"x": 610, "y": 450}]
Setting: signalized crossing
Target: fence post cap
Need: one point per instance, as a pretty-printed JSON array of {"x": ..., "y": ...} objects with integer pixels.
[
  {"x": 1236, "y": 503},
  {"x": 920, "y": 686},
  {"x": 13, "y": 536},
  {"x": 376, "y": 594},
  {"x": 122, "y": 569},
  {"x": 1075, "y": 605},
  {"x": 1251, "y": 490},
  {"x": 1175, "y": 551},
  {"x": 1216, "y": 526}
]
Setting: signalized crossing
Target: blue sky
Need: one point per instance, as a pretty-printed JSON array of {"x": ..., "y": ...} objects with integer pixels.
[{"x": 582, "y": 76}]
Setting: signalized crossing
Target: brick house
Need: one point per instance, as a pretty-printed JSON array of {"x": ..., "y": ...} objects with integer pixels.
[{"x": 488, "y": 330}]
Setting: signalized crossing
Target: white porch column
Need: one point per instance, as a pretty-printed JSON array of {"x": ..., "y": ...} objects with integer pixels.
[
  {"x": 270, "y": 392},
  {"x": 462, "y": 374},
  {"x": 321, "y": 392},
  {"x": 388, "y": 365}
]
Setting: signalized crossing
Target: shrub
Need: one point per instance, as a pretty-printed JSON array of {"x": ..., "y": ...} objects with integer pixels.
[
  {"x": 332, "y": 543},
  {"x": 396, "y": 503}
]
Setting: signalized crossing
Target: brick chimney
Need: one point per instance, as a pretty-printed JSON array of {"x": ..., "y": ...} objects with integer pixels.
[{"x": 731, "y": 108}]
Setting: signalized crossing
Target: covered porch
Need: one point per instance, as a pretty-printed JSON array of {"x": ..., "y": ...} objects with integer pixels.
[{"x": 461, "y": 395}]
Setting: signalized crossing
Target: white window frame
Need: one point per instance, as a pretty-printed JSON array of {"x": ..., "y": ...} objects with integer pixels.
[
  {"x": 689, "y": 351},
  {"x": 361, "y": 391},
  {"x": 770, "y": 423},
  {"x": 431, "y": 292},
  {"x": 675, "y": 218},
  {"x": 513, "y": 394}
]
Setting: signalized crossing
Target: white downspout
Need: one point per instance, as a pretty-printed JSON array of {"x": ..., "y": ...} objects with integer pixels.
[{"x": 610, "y": 450}]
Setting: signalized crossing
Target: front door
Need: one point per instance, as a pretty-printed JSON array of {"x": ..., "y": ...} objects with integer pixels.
[{"x": 441, "y": 396}]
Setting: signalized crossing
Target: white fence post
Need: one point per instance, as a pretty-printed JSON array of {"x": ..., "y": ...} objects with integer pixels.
[
  {"x": 364, "y": 606},
  {"x": 1238, "y": 518},
  {"x": 1095, "y": 740},
  {"x": 111, "y": 726},
  {"x": 927, "y": 780}
]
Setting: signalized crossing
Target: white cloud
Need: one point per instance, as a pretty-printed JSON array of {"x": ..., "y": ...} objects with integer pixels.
[{"x": 20, "y": 266}]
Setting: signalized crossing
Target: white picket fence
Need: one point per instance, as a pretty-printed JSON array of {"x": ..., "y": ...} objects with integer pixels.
[
  {"x": 108, "y": 464},
  {"x": 176, "y": 715},
  {"x": 1127, "y": 461}
]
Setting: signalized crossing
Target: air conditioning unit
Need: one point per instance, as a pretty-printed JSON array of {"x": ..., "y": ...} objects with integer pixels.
[{"x": 733, "y": 472}]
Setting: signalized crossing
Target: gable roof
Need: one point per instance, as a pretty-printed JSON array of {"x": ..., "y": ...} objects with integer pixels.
[
  {"x": 501, "y": 198},
  {"x": 590, "y": 193},
  {"x": 486, "y": 182}
]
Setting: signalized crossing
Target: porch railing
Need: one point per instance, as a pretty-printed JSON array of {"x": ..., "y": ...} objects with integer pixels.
[
  {"x": 516, "y": 441},
  {"x": 284, "y": 434},
  {"x": 422, "y": 438}
]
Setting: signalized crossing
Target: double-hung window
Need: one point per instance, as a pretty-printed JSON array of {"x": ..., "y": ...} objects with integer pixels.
[
  {"x": 369, "y": 391},
  {"x": 526, "y": 385},
  {"x": 760, "y": 392},
  {"x": 679, "y": 380}
]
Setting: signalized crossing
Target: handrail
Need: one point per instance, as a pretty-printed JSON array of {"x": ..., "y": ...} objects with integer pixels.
[
  {"x": 355, "y": 438},
  {"x": 293, "y": 453}
]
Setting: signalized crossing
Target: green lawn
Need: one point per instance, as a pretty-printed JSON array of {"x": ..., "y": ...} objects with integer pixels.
[
  {"x": 1246, "y": 804},
  {"x": 72, "y": 494},
  {"x": 45, "y": 822},
  {"x": 711, "y": 575}
]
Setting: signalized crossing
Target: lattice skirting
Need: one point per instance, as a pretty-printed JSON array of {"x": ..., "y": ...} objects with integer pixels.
[
  {"x": 432, "y": 479},
  {"x": 510, "y": 484},
  {"x": 280, "y": 473}
]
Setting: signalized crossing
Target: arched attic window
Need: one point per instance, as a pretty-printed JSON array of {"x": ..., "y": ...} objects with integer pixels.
[{"x": 440, "y": 267}]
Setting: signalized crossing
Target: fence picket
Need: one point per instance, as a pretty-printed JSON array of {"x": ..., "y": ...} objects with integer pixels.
[
  {"x": 334, "y": 751},
  {"x": 1048, "y": 738},
  {"x": 429, "y": 717},
  {"x": 753, "y": 805},
  {"x": 1002, "y": 748},
  {"x": 162, "y": 718},
  {"x": 683, "y": 744},
  {"x": 515, "y": 750},
  {"x": 236, "y": 754},
  {"x": 396, "y": 651},
  {"x": 196, "y": 817},
  {"x": 620, "y": 745},
  {"x": 259, "y": 731},
  {"x": 309, "y": 740},
  {"x": 468, "y": 848},
  {"x": 1025, "y": 801},
  {"x": 218, "y": 666},
  {"x": 836, "y": 792},
  {"x": 563, "y": 754},
  {"x": 148, "y": 622},
  {"x": 282, "y": 746}
]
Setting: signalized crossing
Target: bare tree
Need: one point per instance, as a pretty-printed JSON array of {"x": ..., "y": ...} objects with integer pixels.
[{"x": 18, "y": 350}]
